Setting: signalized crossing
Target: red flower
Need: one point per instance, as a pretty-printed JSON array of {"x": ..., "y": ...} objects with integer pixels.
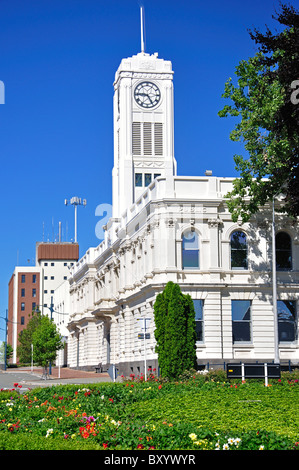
[
  {"x": 160, "y": 386},
  {"x": 15, "y": 385},
  {"x": 140, "y": 446},
  {"x": 111, "y": 399},
  {"x": 105, "y": 445}
]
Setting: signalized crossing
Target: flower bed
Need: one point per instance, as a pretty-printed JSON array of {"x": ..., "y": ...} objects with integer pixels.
[{"x": 198, "y": 413}]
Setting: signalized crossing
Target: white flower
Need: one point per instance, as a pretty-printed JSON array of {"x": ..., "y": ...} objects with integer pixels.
[
  {"x": 225, "y": 447},
  {"x": 261, "y": 448},
  {"x": 50, "y": 431}
]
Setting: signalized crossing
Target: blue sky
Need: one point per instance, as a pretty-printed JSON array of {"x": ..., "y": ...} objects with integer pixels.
[{"x": 58, "y": 59}]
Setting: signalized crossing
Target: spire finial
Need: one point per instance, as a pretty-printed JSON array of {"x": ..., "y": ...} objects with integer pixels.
[{"x": 141, "y": 25}]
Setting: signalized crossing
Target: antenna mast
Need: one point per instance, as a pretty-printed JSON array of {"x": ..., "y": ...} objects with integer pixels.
[{"x": 141, "y": 24}]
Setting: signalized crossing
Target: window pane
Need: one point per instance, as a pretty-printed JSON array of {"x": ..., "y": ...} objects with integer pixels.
[
  {"x": 147, "y": 179},
  {"x": 198, "y": 331},
  {"x": 198, "y": 304},
  {"x": 241, "y": 331},
  {"x": 238, "y": 250},
  {"x": 198, "y": 307},
  {"x": 190, "y": 240},
  {"x": 241, "y": 309},
  {"x": 283, "y": 241},
  {"x": 190, "y": 259},
  {"x": 283, "y": 251},
  {"x": 287, "y": 320},
  {"x": 138, "y": 179},
  {"x": 190, "y": 251},
  {"x": 241, "y": 320}
]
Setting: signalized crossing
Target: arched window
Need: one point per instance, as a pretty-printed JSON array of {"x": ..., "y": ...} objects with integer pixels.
[
  {"x": 238, "y": 246},
  {"x": 283, "y": 251},
  {"x": 190, "y": 250}
]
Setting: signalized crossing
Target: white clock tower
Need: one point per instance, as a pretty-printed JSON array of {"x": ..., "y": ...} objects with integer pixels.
[{"x": 143, "y": 127}]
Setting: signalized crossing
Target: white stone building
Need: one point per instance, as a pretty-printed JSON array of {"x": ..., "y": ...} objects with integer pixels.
[{"x": 167, "y": 227}]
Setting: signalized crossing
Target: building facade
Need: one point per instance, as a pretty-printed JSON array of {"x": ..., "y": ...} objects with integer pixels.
[
  {"x": 24, "y": 296},
  {"x": 167, "y": 227},
  {"x": 34, "y": 287}
]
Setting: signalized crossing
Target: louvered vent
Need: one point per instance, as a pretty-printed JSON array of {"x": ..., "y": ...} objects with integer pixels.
[
  {"x": 158, "y": 138},
  {"x": 136, "y": 134},
  {"x": 147, "y": 138}
]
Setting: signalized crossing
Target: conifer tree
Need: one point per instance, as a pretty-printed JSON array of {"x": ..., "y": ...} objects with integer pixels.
[{"x": 175, "y": 331}]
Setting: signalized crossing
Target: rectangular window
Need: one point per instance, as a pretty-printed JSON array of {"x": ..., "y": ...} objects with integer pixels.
[
  {"x": 156, "y": 175},
  {"x": 287, "y": 320},
  {"x": 22, "y": 306},
  {"x": 138, "y": 179},
  {"x": 190, "y": 250},
  {"x": 52, "y": 278},
  {"x": 23, "y": 278},
  {"x": 241, "y": 320},
  {"x": 198, "y": 307},
  {"x": 33, "y": 278},
  {"x": 22, "y": 292},
  {"x": 33, "y": 306},
  {"x": 33, "y": 292},
  {"x": 22, "y": 320},
  {"x": 52, "y": 264},
  {"x": 147, "y": 179}
]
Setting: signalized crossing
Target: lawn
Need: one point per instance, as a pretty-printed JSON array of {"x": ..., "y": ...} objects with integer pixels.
[{"x": 195, "y": 413}]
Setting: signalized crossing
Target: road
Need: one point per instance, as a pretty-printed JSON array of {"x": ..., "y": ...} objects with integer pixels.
[{"x": 29, "y": 380}]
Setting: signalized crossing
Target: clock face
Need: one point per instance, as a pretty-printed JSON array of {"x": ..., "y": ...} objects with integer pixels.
[{"x": 147, "y": 94}]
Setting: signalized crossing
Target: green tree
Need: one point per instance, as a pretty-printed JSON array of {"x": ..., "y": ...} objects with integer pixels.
[
  {"x": 263, "y": 100},
  {"x": 175, "y": 331},
  {"x": 9, "y": 351},
  {"x": 46, "y": 342},
  {"x": 26, "y": 338}
]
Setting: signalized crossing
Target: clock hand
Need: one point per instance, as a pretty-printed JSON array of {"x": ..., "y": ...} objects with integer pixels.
[{"x": 145, "y": 94}]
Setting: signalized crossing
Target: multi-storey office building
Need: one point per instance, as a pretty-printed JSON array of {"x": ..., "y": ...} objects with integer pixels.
[
  {"x": 33, "y": 287},
  {"x": 24, "y": 295},
  {"x": 169, "y": 227}
]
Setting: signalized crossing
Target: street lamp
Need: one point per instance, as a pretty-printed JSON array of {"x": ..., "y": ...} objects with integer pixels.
[
  {"x": 274, "y": 286},
  {"x": 76, "y": 201}
]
